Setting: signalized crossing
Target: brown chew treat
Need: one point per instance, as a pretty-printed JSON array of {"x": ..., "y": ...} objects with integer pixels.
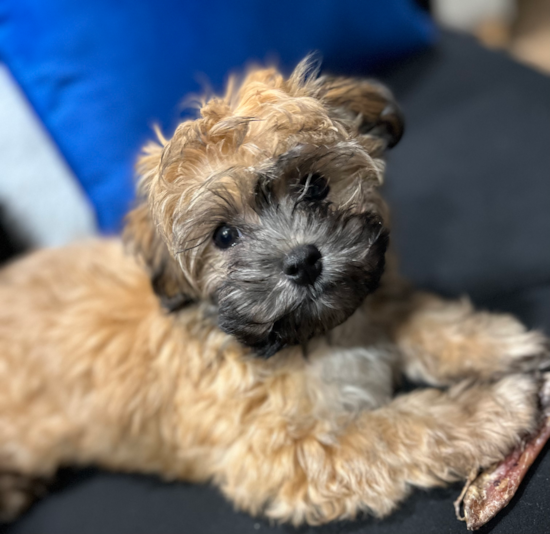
[{"x": 486, "y": 494}]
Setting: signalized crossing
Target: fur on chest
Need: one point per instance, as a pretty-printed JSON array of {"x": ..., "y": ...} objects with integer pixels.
[{"x": 350, "y": 379}]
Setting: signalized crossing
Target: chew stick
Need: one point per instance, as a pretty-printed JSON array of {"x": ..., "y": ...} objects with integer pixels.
[{"x": 485, "y": 495}]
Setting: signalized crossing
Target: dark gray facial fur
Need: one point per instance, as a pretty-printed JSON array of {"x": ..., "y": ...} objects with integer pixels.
[{"x": 266, "y": 310}]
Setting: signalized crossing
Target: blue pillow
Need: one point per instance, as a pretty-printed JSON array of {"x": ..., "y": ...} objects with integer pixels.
[{"x": 99, "y": 73}]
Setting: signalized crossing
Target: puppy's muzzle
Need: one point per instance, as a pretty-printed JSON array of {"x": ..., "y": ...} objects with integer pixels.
[{"x": 303, "y": 265}]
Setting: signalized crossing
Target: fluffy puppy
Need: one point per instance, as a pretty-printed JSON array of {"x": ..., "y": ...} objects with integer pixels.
[{"x": 247, "y": 335}]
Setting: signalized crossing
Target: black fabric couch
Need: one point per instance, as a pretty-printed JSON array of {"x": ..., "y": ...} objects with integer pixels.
[{"x": 470, "y": 191}]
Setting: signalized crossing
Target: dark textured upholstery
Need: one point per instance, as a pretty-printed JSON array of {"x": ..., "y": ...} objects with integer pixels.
[{"x": 470, "y": 189}]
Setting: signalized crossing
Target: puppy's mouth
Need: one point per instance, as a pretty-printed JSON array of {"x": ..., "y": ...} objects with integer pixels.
[{"x": 270, "y": 317}]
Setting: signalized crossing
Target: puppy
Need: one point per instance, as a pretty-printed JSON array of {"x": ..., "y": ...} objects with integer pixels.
[{"x": 248, "y": 333}]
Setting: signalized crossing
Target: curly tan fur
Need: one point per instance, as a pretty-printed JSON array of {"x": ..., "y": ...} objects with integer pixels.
[{"x": 116, "y": 358}]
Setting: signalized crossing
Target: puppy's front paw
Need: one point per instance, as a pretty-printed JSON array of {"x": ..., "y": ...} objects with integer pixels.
[
  {"x": 521, "y": 351},
  {"x": 519, "y": 396},
  {"x": 503, "y": 345},
  {"x": 500, "y": 415},
  {"x": 531, "y": 356}
]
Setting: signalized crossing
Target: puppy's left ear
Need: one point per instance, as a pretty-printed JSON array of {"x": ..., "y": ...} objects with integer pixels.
[{"x": 369, "y": 102}]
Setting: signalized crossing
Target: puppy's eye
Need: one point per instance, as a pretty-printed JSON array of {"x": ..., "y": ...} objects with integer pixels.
[
  {"x": 226, "y": 236},
  {"x": 317, "y": 187}
]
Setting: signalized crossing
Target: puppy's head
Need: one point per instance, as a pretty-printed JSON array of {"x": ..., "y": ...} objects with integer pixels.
[{"x": 267, "y": 205}]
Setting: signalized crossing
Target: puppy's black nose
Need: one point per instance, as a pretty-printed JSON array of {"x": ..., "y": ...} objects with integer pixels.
[{"x": 303, "y": 265}]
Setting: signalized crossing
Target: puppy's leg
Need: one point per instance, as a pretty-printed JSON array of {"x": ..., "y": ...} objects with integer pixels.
[
  {"x": 315, "y": 473},
  {"x": 445, "y": 341}
]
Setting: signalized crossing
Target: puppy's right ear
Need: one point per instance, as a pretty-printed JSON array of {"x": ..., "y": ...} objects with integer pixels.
[
  {"x": 143, "y": 241},
  {"x": 371, "y": 102}
]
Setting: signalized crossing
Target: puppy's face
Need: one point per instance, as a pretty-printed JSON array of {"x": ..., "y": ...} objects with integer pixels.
[{"x": 268, "y": 207}]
